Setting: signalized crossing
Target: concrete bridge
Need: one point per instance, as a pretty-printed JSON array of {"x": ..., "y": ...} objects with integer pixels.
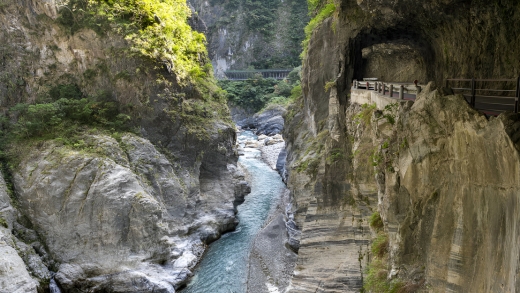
[
  {"x": 251, "y": 74},
  {"x": 489, "y": 96}
]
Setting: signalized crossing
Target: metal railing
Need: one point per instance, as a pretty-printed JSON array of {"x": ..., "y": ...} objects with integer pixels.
[
  {"x": 404, "y": 90},
  {"x": 252, "y": 74},
  {"x": 491, "y": 96}
]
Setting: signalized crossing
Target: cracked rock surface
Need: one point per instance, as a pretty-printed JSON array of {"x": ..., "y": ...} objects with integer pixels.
[{"x": 118, "y": 215}]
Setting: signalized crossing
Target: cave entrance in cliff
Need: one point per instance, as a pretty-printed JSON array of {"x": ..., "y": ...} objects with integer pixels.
[{"x": 392, "y": 55}]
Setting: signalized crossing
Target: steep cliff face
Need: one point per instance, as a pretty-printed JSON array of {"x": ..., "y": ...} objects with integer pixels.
[
  {"x": 347, "y": 161},
  {"x": 262, "y": 34},
  {"x": 112, "y": 211},
  {"x": 450, "y": 206}
]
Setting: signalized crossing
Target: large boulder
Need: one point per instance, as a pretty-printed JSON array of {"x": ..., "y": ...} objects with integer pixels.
[
  {"x": 119, "y": 215},
  {"x": 270, "y": 121}
]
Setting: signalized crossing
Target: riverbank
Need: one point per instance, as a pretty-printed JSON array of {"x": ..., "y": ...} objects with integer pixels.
[{"x": 271, "y": 260}]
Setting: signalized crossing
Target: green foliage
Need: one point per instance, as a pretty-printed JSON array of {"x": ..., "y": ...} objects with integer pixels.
[
  {"x": 262, "y": 93},
  {"x": 365, "y": 115},
  {"x": 376, "y": 158},
  {"x": 311, "y": 159},
  {"x": 3, "y": 223},
  {"x": 283, "y": 89},
  {"x": 326, "y": 11},
  {"x": 335, "y": 155},
  {"x": 389, "y": 112},
  {"x": 287, "y": 91},
  {"x": 90, "y": 74},
  {"x": 376, "y": 222},
  {"x": 329, "y": 85},
  {"x": 313, "y": 5},
  {"x": 376, "y": 279},
  {"x": 250, "y": 94},
  {"x": 309, "y": 166},
  {"x": 69, "y": 106},
  {"x": 380, "y": 245},
  {"x": 404, "y": 143},
  {"x": 261, "y": 14},
  {"x": 296, "y": 92},
  {"x": 65, "y": 91},
  {"x": 157, "y": 29},
  {"x": 295, "y": 76},
  {"x": 77, "y": 14}
]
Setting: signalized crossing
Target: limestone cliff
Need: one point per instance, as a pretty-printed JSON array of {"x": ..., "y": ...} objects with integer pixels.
[
  {"x": 113, "y": 211},
  {"x": 425, "y": 168},
  {"x": 244, "y": 33}
]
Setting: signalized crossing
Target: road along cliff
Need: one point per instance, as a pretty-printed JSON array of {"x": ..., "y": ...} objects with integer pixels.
[{"x": 387, "y": 194}]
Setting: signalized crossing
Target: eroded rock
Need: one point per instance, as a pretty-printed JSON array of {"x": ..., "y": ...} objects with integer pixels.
[{"x": 123, "y": 215}]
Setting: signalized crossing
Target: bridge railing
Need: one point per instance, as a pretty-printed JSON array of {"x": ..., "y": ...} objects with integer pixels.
[
  {"x": 252, "y": 74},
  {"x": 491, "y": 96},
  {"x": 400, "y": 90}
]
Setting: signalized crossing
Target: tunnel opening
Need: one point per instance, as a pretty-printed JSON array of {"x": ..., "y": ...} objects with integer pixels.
[{"x": 396, "y": 54}]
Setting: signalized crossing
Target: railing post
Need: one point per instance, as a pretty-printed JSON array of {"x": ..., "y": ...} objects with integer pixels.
[
  {"x": 391, "y": 90},
  {"x": 355, "y": 84},
  {"x": 367, "y": 85},
  {"x": 517, "y": 94},
  {"x": 380, "y": 89},
  {"x": 401, "y": 92},
  {"x": 384, "y": 89},
  {"x": 473, "y": 92}
]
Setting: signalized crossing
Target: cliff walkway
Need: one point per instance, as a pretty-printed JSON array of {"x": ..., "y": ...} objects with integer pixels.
[
  {"x": 251, "y": 74},
  {"x": 489, "y": 96},
  {"x": 397, "y": 90}
]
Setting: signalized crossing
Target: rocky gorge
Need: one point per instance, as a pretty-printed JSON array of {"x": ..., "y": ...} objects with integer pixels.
[
  {"x": 97, "y": 207},
  {"x": 383, "y": 195}
]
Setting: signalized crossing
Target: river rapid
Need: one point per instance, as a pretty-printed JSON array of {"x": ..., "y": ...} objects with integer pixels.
[{"x": 224, "y": 267}]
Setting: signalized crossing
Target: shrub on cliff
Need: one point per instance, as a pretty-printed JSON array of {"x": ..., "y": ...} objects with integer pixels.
[
  {"x": 157, "y": 29},
  {"x": 326, "y": 11},
  {"x": 64, "y": 107},
  {"x": 376, "y": 222}
]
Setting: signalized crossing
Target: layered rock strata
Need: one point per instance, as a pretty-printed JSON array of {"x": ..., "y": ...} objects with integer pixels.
[
  {"x": 338, "y": 165},
  {"x": 433, "y": 169}
]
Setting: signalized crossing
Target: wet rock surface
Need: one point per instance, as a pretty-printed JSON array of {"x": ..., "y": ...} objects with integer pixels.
[{"x": 270, "y": 121}]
